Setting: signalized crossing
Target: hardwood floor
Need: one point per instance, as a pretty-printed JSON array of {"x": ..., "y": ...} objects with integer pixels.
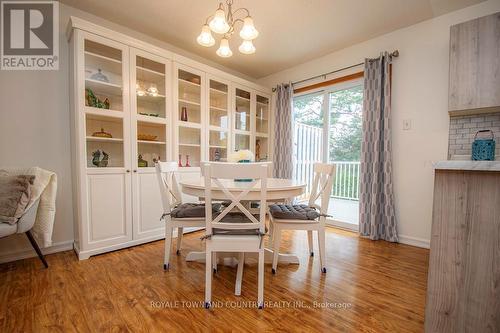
[{"x": 369, "y": 287}]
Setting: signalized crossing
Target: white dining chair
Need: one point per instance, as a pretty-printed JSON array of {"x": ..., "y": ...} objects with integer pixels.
[
  {"x": 176, "y": 214},
  {"x": 239, "y": 232},
  {"x": 311, "y": 217}
]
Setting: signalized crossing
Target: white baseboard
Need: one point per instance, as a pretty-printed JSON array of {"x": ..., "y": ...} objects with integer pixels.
[
  {"x": 414, "y": 241},
  {"x": 408, "y": 240},
  {"x": 30, "y": 252}
]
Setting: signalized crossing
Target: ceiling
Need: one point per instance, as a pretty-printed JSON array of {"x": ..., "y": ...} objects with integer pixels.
[{"x": 291, "y": 31}]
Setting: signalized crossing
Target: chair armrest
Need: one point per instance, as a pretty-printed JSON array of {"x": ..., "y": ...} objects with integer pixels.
[{"x": 27, "y": 221}]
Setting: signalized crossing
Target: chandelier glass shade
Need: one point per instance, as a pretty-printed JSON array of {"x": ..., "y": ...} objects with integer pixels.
[
  {"x": 247, "y": 47},
  {"x": 223, "y": 22},
  {"x": 206, "y": 38},
  {"x": 224, "y": 50}
]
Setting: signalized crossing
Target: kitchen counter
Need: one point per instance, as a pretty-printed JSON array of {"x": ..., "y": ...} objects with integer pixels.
[
  {"x": 468, "y": 165},
  {"x": 462, "y": 286}
]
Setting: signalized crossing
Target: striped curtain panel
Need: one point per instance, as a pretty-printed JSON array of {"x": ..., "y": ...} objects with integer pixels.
[
  {"x": 283, "y": 135},
  {"x": 377, "y": 218}
]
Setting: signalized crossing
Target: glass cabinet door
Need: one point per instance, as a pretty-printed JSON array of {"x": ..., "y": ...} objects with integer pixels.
[
  {"x": 242, "y": 113},
  {"x": 104, "y": 104},
  {"x": 218, "y": 134},
  {"x": 189, "y": 118},
  {"x": 262, "y": 128},
  {"x": 150, "y": 102}
]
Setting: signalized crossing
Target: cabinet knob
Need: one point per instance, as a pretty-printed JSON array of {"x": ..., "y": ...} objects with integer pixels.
[
  {"x": 128, "y": 170},
  {"x": 135, "y": 170}
]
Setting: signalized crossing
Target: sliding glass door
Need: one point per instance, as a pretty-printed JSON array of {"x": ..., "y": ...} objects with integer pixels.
[{"x": 327, "y": 128}]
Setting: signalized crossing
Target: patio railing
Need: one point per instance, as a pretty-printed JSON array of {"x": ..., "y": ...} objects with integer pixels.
[
  {"x": 346, "y": 184},
  {"x": 307, "y": 151}
]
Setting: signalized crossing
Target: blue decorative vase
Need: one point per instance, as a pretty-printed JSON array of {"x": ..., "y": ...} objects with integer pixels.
[{"x": 244, "y": 180}]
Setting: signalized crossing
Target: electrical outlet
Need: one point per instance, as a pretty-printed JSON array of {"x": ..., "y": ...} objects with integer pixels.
[{"x": 406, "y": 124}]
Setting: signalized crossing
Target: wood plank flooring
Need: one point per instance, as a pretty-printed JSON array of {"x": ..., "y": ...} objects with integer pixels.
[{"x": 369, "y": 287}]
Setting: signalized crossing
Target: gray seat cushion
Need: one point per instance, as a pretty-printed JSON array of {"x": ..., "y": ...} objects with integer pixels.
[
  {"x": 236, "y": 217},
  {"x": 293, "y": 212},
  {"x": 187, "y": 210}
]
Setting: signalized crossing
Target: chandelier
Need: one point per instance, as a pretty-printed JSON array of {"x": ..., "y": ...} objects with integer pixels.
[{"x": 224, "y": 22}]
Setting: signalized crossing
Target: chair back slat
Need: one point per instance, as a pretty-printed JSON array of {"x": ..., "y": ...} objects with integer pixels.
[
  {"x": 218, "y": 177},
  {"x": 324, "y": 175},
  {"x": 170, "y": 193}
]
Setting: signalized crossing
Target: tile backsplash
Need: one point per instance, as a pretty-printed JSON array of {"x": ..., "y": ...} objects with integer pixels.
[{"x": 463, "y": 129}]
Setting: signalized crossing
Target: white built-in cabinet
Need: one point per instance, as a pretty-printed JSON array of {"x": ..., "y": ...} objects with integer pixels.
[{"x": 152, "y": 104}]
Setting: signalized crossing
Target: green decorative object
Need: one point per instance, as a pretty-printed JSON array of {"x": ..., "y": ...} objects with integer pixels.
[
  {"x": 93, "y": 101},
  {"x": 142, "y": 163}
]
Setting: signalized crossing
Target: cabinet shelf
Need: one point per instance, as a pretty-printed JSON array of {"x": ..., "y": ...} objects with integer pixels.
[
  {"x": 96, "y": 61},
  {"x": 247, "y": 115},
  {"x": 103, "y": 113},
  {"x": 99, "y": 139},
  {"x": 151, "y": 99},
  {"x": 217, "y": 91},
  {"x": 243, "y": 98},
  {"x": 218, "y": 128},
  {"x": 189, "y": 83},
  {"x": 151, "y": 119},
  {"x": 103, "y": 87},
  {"x": 185, "y": 101},
  {"x": 92, "y": 54},
  {"x": 237, "y": 131},
  {"x": 189, "y": 144},
  {"x": 215, "y": 108},
  {"x": 219, "y": 147},
  {"x": 147, "y": 70},
  {"x": 152, "y": 142},
  {"x": 189, "y": 124}
]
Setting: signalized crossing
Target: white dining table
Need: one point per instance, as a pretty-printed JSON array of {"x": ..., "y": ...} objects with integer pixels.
[{"x": 278, "y": 190}]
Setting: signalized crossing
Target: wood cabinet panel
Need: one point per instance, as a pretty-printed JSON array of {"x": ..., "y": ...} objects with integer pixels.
[
  {"x": 463, "y": 291},
  {"x": 474, "y": 81}
]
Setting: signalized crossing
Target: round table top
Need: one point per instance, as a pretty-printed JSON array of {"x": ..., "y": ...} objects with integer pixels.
[
  {"x": 277, "y": 188},
  {"x": 273, "y": 184}
]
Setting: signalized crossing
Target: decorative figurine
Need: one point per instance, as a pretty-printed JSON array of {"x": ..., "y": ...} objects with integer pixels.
[
  {"x": 142, "y": 163},
  {"x": 102, "y": 134},
  {"x": 99, "y": 76},
  {"x": 156, "y": 158},
  {"x": 100, "y": 158},
  {"x": 187, "y": 161},
  {"x": 217, "y": 155},
  {"x": 257, "y": 150},
  {"x": 180, "y": 161},
  {"x": 184, "y": 114},
  {"x": 93, "y": 101}
]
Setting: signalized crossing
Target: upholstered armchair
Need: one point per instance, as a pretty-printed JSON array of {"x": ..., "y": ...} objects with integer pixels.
[{"x": 23, "y": 226}]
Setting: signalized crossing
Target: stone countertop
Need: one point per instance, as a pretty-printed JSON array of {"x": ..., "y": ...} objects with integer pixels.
[{"x": 468, "y": 165}]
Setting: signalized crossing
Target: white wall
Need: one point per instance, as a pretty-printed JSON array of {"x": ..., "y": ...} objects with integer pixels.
[
  {"x": 420, "y": 93},
  {"x": 35, "y": 127}
]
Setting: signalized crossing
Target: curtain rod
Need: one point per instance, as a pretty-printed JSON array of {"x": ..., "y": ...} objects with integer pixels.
[{"x": 394, "y": 54}]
